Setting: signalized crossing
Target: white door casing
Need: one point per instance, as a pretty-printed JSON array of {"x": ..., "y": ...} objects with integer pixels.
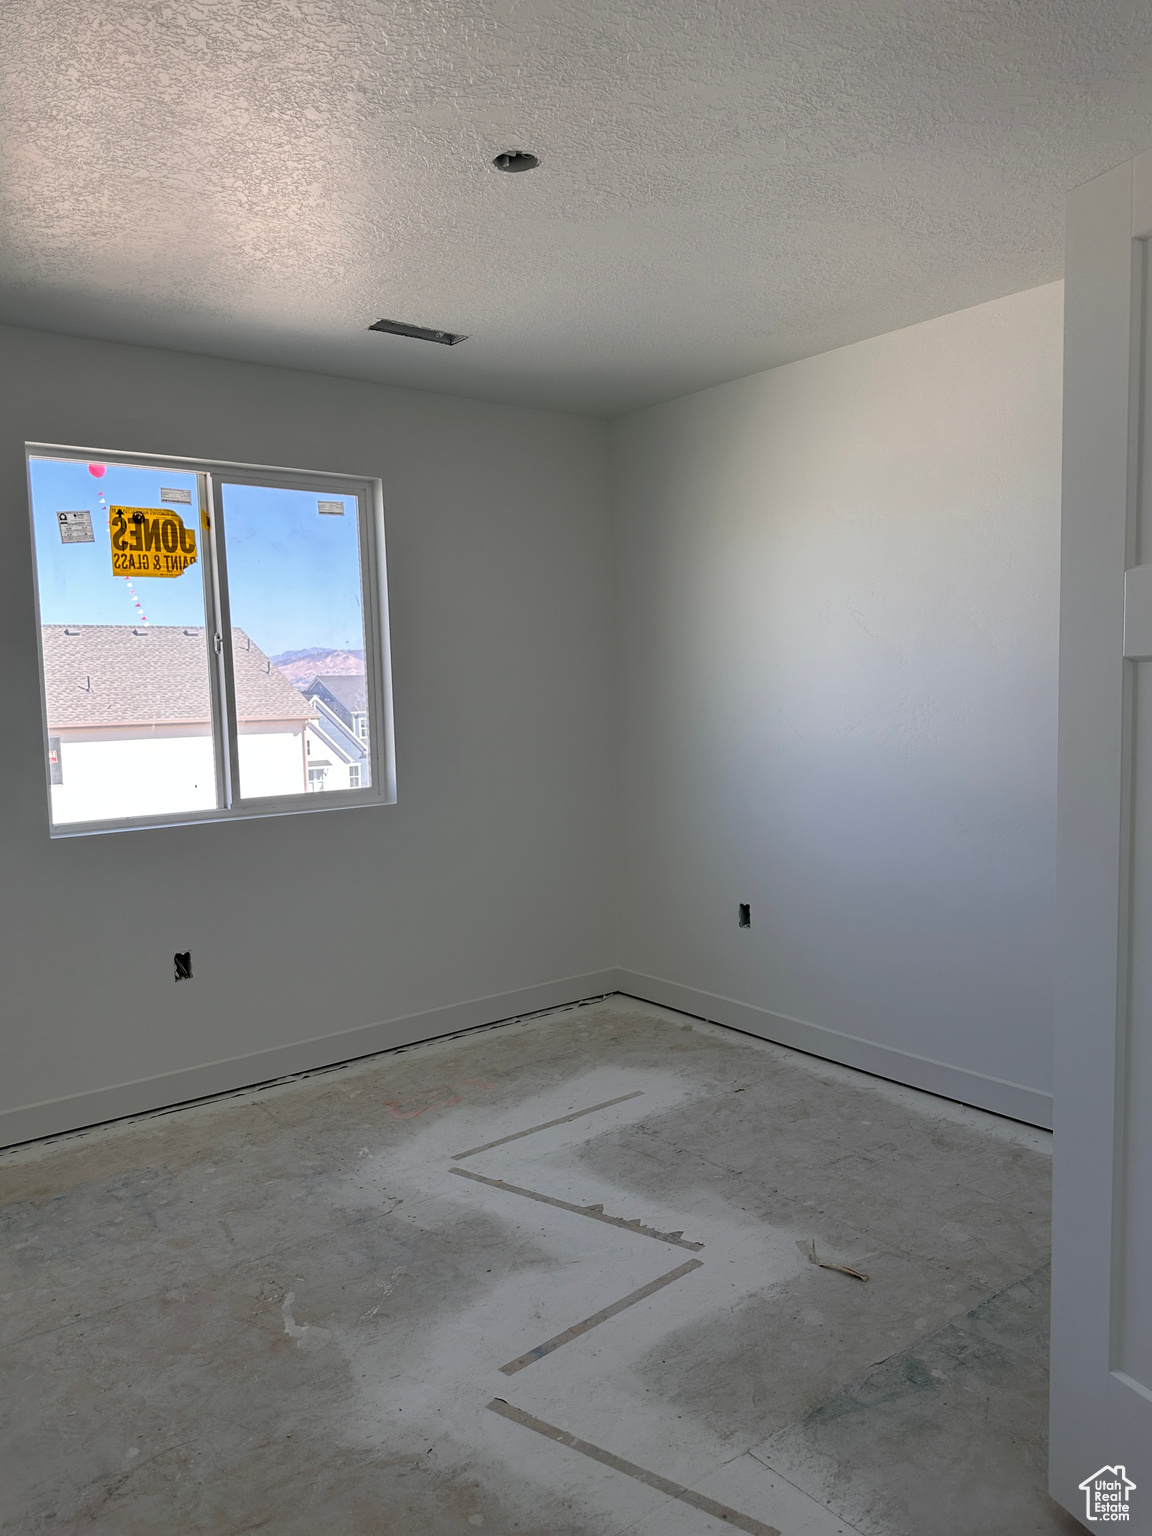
[{"x": 1101, "y": 1413}]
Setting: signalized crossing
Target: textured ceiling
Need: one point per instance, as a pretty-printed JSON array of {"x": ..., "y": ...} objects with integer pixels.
[{"x": 723, "y": 186}]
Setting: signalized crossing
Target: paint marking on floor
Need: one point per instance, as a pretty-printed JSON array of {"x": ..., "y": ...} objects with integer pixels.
[
  {"x": 599, "y": 1317},
  {"x": 547, "y": 1125},
  {"x": 436, "y": 1098},
  {"x": 630, "y": 1469},
  {"x": 595, "y": 1211}
]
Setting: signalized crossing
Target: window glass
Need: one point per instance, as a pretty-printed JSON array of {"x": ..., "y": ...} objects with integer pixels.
[
  {"x": 126, "y": 658},
  {"x": 295, "y": 588},
  {"x": 203, "y": 639}
]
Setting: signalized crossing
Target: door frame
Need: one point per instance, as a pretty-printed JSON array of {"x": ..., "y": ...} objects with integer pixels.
[{"x": 1099, "y": 1415}]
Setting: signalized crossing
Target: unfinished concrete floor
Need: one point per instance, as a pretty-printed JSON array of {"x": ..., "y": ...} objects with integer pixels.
[{"x": 287, "y": 1311}]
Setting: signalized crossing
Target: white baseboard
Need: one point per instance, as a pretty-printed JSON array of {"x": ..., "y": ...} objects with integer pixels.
[
  {"x": 53, "y": 1116},
  {"x": 1018, "y": 1102}
]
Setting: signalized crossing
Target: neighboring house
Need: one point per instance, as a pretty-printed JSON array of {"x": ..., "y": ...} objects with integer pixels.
[
  {"x": 338, "y": 735},
  {"x": 129, "y": 721}
]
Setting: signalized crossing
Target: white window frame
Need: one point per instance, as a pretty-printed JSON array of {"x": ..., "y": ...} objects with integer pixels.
[{"x": 231, "y": 805}]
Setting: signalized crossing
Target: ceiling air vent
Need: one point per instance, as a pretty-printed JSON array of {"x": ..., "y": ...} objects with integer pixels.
[{"x": 418, "y": 332}]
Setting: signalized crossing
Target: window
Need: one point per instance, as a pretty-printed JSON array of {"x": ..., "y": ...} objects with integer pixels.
[
  {"x": 360, "y": 722},
  {"x": 184, "y": 608},
  {"x": 353, "y": 775}
]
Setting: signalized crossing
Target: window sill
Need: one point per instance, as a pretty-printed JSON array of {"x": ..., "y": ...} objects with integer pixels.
[{"x": 294, "y": 805}]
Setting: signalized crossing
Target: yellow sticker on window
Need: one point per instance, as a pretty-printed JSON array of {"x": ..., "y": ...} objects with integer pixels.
[{"x": 150, "y": 541}]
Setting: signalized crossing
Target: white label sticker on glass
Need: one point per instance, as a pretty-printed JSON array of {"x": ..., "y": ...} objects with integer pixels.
[
  {"x": 331, "y": 508},
  {"x": 75, "y": 527},
  {"x": 175, "y": 494}
]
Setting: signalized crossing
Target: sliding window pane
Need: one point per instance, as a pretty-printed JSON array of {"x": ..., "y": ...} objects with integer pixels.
[
  {"x": 296, "y": 592},
  {"x": 119, "y": 576}
]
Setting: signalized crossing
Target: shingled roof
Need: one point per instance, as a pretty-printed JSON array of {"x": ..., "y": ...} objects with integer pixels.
[
  {"x": 345, "y": 693},
  {"x": 351, "y": 688},
  {"x": 115, "y": 674}
]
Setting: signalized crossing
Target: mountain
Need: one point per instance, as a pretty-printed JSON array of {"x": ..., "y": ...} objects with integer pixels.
[{"x": 300, "y": 667}]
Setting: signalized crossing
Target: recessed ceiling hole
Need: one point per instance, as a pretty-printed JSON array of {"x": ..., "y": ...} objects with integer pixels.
[{"x": 516, "y": 160}]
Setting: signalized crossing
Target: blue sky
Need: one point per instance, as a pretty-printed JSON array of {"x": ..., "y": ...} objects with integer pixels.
[{"x": 294, "y": 575}]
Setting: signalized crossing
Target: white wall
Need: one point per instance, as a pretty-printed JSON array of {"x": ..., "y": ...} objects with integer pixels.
[
  {"x": 834, "y": 677},
  {"x": 271, "y": 758},
  {"x": 136, "y": 771},
  {"x": 490, "y": 879},
  {"x": 837, "y": 623}
]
